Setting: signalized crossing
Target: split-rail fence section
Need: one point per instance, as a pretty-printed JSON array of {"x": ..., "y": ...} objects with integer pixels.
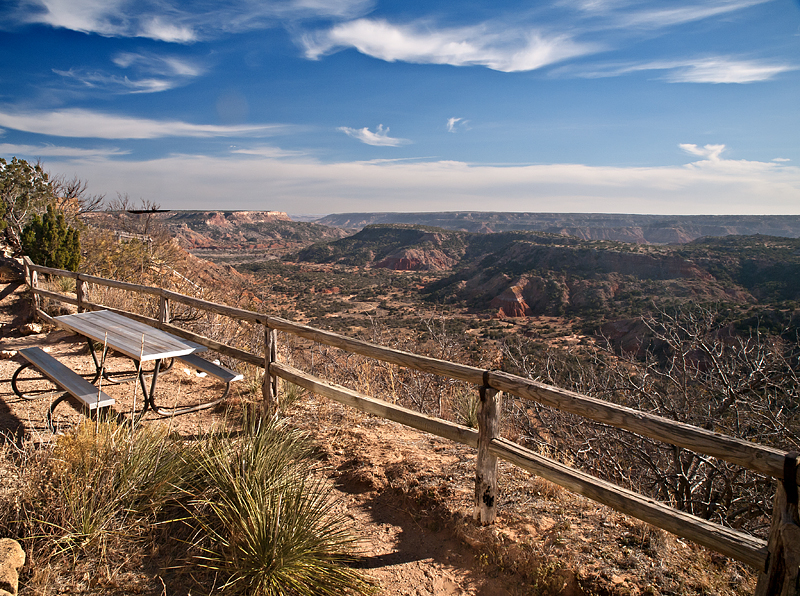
[{"x": 777, "y": 560}]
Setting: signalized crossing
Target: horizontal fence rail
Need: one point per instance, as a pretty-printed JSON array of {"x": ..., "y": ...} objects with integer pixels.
[{"x": 758, "y": 458}]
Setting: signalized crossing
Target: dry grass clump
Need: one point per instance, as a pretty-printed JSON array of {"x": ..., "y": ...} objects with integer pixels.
[{"x": 251, "y": 508}]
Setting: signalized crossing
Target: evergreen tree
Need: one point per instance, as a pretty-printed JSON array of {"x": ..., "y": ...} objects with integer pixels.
[
  {"x": 49, "y": 241},
  {"x": 25, "y": 189}
]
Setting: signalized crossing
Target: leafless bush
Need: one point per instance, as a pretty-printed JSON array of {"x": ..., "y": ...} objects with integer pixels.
[
  {"x": 697, "y": 371},
  {"x": 423, "y": 392}
]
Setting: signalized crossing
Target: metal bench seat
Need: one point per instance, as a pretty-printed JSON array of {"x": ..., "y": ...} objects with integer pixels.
[
  {"x": 194, "y": 361},
  {"x": 82, "y": 395},
  {"x": 215, "y": 370}
]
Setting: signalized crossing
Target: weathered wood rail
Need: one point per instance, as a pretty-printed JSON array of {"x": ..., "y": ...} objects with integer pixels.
[{"x": 777, "y": 560}]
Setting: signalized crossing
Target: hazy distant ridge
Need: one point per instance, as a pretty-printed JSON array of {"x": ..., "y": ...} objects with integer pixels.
[{"x": 642, "y": 229}]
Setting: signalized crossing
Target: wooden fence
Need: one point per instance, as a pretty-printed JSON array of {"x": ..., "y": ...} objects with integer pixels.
[{"x": 777, "y": 560}]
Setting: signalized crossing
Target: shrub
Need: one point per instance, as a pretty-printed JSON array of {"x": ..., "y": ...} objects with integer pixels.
[
  {"x": 266, "y": 520},
  {"x": 49, "y": 241}
]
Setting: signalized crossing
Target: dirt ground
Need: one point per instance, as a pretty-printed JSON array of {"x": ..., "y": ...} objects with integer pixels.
[{"x": 409, "y": 498}]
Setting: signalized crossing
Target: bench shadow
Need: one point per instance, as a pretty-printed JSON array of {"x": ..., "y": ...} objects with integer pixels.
[{"x": 12, "y": 429}]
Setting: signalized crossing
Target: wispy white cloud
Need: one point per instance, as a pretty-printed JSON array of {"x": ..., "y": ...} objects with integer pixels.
[
  {"x": 724, "y": 70},
  {"x": 781, "y": 159},
  {"x": 86, "y": 16},
  {"x": 158, "y": 64},
  {"x": 37, "y": 151},
  {"x": 89, "y": 124},
  {"x": 661, "y": 17},
  {"x": 176, "y": 21},
  {"x": 710, "y": 152},
  {"x": 152, "y": 73},
  {"x": 112, "y": 18},
  {"x": 117, "y": 84},
  {"x": 456, "y": 124},
  {"x": 267, "y": 151},
  {"x": 157, "y": 28},
  {"x": 719, "y": 69},
  {"x": 379, "y": 138},
  {"x": 502, "y": 49},
  {"x": 341, "y": 9}
]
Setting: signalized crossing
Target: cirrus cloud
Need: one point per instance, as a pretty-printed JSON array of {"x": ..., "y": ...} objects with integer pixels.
[
  {"x": 379, "y": 138},
  {"x": 717, "y": 69},
  {"x": 505, "y": 50},
  {"x": 48, "y": 150},
  {"x": 80, "y": 123},
  {"x": 174, "y": 21}
]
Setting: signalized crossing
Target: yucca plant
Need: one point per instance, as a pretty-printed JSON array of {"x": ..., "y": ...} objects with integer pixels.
[
  {"x": 268, "y": 520},
  {"x": 466, "y": 406},
  {"x": 65, "y": 285},
  {"x": 289, "y": 395}
]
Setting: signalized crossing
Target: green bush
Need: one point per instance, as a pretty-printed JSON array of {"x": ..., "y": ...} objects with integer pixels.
[{"x": 49, "y": 241}]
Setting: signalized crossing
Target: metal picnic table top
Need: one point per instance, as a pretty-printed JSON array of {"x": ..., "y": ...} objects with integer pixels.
[{"x": 136, "y": 340}]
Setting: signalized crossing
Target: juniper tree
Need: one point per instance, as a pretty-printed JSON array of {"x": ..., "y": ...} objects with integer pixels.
[{"x": 49, "y": 241}]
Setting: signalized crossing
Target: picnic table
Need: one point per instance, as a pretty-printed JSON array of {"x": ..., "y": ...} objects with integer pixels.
[
  {"x": 138, "y": 341},
  {"x": 142, "y": 343}
]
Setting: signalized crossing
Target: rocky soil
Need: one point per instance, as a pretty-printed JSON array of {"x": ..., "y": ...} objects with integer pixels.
[{"x": 409, "y": 498}]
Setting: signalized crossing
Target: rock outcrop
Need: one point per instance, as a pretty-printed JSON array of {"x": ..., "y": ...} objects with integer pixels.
[
  {"x": 511, "y": 303},
  {"x": 417, "y": 259},
  {"x": 12, "y": 558},
  {"x": 231, "y": 219}
]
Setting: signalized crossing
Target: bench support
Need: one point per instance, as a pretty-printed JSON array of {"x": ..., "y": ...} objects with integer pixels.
[{"x": 194, "y": 361}]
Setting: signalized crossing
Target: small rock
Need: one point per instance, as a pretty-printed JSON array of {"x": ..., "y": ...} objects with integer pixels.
[
  {"x": 7, "y": 354},
  {"x": 12, "y": 557},
  {"x": 31, "y": 329}
]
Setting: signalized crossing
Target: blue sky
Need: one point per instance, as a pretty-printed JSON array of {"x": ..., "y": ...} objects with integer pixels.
[{"x": 323, "y": 106}]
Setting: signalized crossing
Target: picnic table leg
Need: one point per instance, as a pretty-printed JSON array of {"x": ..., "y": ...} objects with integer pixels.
[
  {"x": 51, "y": 425},
  {"x": 149, "y": 396},
  {"x": 27, "y": 377},
  {"x": 99, "y": 365},
  {"x": 150, "y": 401}
]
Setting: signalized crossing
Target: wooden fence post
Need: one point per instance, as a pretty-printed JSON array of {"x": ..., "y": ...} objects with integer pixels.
[
  {"x": 80, "y": 293},
  {"x": 26, "y": 263},
  {"x": 485, "y": 510},
  {"x": 782, "y": 575},
  {"x": 269, "y": 386},
  {"x": 37, "y": 301},
  {"x": 163, "y": 310}
]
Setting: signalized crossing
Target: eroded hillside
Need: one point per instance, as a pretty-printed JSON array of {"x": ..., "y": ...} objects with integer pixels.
[
  {"x": 224, "y": 236},
  {"x": 520, "y": 274}
]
